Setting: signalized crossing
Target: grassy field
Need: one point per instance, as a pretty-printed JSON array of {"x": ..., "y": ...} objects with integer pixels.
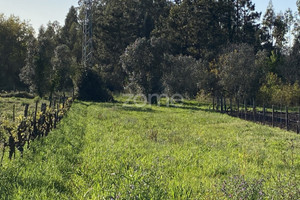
[
  {"x": 7, "y": 105},
  {"x": 116, "y": 151}
]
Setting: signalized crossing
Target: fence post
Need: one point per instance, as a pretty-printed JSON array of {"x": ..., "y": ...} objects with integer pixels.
[
  {"x": 254, "y": 110},
  {"x": 230, "y": 106},
  {"x": 64, "y": 100},
  {"x": 34, "y": 120},
  {"x": 245, "y": 105},
  {"x": 287, "y": 118},
  {"x": 50, "y": 101},
  {"x": 298, "y": 123},
  {"x": 238, "y": 107},
  {"x": 222, "y": 104},
  {"x": 280, "y": 116},
  {"x": 264, "y": 114},
  {"x": 26, "y": 110},
  {"x": 14, "y": 112},
  {"x": 213, "y": 102},
  {"x": 225, "y": 105},
  {"x": 273, "y": 115}
]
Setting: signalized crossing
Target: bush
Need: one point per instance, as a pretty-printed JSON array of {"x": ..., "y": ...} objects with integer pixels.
[
  {"x": 275, "y": 92},
  {"x": 91, "y": 88}
]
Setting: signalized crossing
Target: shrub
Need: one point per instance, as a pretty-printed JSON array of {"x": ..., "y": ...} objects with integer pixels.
[
  {"x": 91, "y": 88},
  {"x": 275, "y": 92}
]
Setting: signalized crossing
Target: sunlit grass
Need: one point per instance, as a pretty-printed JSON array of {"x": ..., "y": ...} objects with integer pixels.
[{"x": 117, "y": 151}]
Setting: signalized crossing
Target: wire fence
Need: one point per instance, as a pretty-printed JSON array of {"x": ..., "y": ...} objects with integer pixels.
[{"x": 275, "y": 116}]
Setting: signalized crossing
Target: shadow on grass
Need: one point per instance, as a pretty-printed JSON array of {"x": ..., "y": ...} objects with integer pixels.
[
  {"x": 130, "y": 106},
  {"x": 137, "y": 109},
  {"x": 191, "y": 108}
]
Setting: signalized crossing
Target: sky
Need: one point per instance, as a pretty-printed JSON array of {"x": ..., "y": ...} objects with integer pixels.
[{"x": 39, "y": 12}]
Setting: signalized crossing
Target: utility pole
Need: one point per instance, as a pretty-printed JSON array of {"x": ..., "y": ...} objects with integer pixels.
[{"x": 87, "y": 40}]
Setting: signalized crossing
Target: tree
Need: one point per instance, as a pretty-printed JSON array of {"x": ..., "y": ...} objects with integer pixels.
[
  {"x": 92, "y": 88},
  {"x": 280, "y": 30},
  {"x": 239, "y": 21},
  {"x": 275, "y": 92},
  {"x": 38, "y": 71},
  {"x": 143, "y": 63},
  {"x": 14, "y": 36},
  {"x": 63, "y": 63},
  {"x": 70, "y": 34},
  {"x": 289, "y": 20},
  {"x": 290, "y": 68},
  {"x": 182, "y": 75},
  {"x": 119, "y": 23},
  {"x": 27, "y": 74},
  {"x": 269, "y": 19},
  {"x": 47, "y": 42},
  {"x": 239, "y": 75},
  {"x": 194, "y": 29}
]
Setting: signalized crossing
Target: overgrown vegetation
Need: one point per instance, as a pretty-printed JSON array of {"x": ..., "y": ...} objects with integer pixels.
[
  {"x": 111, "y": 150},
  {"x": 223, "y": 48}
]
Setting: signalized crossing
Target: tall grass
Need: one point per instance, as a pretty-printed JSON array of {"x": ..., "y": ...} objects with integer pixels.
[{"x": 116, "y": 151}]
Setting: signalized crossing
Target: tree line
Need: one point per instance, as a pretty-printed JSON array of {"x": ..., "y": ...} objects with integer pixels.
[{"x": 223, "y": 48}]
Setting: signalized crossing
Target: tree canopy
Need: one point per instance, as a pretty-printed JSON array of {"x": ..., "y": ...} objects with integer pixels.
[{"x": 219, "y": 47}]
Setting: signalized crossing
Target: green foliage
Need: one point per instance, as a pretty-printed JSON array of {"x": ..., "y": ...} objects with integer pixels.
[
  {"x": 143, "y": 61},
  {"x": 280, "y": 29},
  {"x": 238, "y": 71},
  {"x": 64, "y": 67},
  {"x": 182, "y": 75},
  {"x": 51, "y": 62},
  {"x": 275, "y": 92},
  {"x": 38, "y": 72},
  {"x": 71, "y": 35},
  {"x": 118, "y": 23},
  {"x": 14, "y": 35},
  {"x": 92, "y": 88}
]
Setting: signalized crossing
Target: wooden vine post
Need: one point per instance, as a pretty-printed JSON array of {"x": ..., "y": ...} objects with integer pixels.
[
  {"x": 298, "y": 123},
  {"x": 14, "y": 112},
  {"x": 230, "y": 106},
  {"x": 245, "y": 107},
  {"x": 31, "y": 128},
  {"x": 254, "y": 111},
  {"x": 287, "y": 118},
  {"x": 238, "y": 107},
  {"x": 273, "y": 115},
  {"x": 264, "y": 114},
  {"x": 34, "y": 120}
]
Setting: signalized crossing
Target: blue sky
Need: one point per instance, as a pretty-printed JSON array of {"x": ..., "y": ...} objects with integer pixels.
[{"x": 42, "y": 11}]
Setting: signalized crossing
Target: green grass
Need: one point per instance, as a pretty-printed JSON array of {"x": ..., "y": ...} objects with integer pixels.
[
  {"x": 112, "y": 151},
  {"x": 7, "y": 104}
]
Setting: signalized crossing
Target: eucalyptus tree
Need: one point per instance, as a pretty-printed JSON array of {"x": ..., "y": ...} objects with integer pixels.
[
  {"x": 38, "y": 72},
  {"x": 117, "y": 24}
]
